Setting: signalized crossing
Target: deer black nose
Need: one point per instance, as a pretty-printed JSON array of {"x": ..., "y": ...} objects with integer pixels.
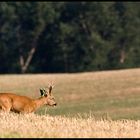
[{"x": 55, "y": 104}]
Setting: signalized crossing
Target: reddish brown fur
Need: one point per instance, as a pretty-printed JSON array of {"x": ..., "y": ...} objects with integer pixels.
[{"x": 23, "y": 104}]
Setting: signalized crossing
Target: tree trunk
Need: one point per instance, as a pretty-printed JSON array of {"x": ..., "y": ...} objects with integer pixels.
[
  {"x": 122, "y": 56},
  {"x": 24, "y": 64}
]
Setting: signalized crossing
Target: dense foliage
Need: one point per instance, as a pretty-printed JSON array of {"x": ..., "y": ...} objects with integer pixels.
[{"x": 38, "y": 37}]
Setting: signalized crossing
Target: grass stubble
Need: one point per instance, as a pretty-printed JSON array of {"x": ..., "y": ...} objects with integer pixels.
[{"x": 45, "y": 126}]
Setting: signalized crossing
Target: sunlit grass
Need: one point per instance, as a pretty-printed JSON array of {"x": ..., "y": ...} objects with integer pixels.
[{"x": 45, "y": 126}]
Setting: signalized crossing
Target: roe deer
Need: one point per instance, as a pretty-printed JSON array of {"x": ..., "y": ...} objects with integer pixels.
[{"x": 22, "y": 104}]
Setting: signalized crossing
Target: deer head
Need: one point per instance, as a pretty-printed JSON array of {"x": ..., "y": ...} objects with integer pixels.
[{"x": 47, "y": 94}]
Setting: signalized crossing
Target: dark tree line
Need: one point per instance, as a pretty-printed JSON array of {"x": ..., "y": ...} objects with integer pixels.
[{"x": 39, "y": 37}]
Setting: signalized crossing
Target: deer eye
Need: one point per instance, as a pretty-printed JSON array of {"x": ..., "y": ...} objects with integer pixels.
[{"x": 45, "y": 95}]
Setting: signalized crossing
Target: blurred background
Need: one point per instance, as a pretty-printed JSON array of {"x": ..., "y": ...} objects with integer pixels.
[{"x": 68, "y": 37}]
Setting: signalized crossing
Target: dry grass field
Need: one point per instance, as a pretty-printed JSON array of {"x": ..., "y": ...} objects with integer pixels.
[
  {"x": 45, "y": 126},
  {"x": 92, "y": 104}
]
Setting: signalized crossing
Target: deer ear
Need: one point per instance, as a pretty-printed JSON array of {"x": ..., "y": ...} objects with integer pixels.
[
  {"x": 50, "y": 89},
  {"x": 42, "y": 92}
]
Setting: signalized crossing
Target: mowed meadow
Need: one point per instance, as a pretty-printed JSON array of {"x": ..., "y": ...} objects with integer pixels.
[{"x": 90, "y": 104}]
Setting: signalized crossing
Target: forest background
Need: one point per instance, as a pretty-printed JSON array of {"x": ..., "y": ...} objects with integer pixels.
[{"x": 68, "y": 37}]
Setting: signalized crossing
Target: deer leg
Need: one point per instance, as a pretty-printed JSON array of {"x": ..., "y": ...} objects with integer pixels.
[{"x": 6, "y": 108}]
